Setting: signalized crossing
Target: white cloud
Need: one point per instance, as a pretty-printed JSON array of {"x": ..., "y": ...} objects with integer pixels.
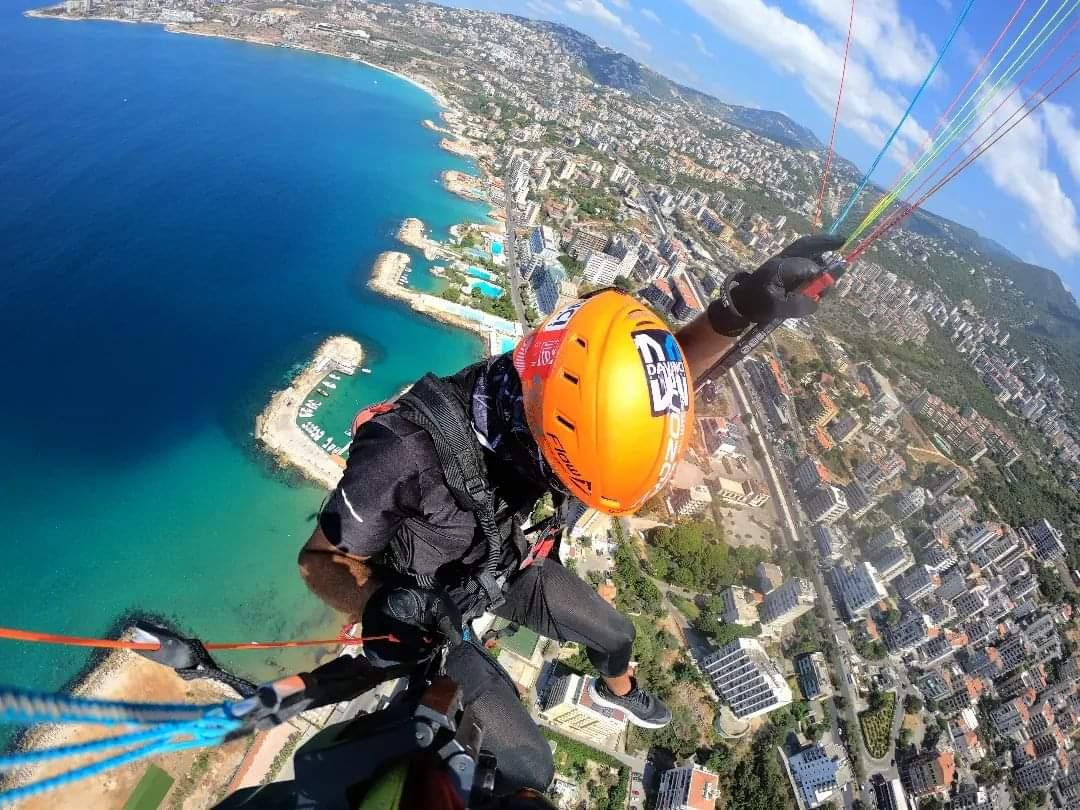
[
  {"x": 1018, "y": 165},
  {"x": 895, "y": 47},
  {"x": 795, "y": 49},
  {"x": 701, "y": 46},
  {"x": 1065, "y": 135},
  {"x": 542, "y": 7},
  {"x": 621, "y": 3},
  {"x": 597, "y": 11},
  {"x": 649, "y": 14}
]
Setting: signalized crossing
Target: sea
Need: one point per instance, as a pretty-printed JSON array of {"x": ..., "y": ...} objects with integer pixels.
[{"x": 183, "y": 220}]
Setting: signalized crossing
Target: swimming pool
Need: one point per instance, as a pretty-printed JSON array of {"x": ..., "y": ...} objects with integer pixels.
[
  {"x": 496, "y": 248},
  {"x": 476, "y": 272},
  {"x": 486, "y": 288}
]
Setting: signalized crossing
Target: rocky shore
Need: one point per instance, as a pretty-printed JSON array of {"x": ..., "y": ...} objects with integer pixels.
[
  {"x": 464, "y": 185},
  {"x": 276, "y": 427},
  {"x": 413, "y": 233},
  {"x": 125, "y": 675}
]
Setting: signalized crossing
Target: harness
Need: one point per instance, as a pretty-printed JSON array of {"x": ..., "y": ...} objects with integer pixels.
[{"x": 433, "y": 405}]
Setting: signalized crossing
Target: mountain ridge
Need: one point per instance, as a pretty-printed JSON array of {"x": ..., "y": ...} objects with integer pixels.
[
  {"x": 1044, "y": 286},
  {"x": 615, "y": 69}
]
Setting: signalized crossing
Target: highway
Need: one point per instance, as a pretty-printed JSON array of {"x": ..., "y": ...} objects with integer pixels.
[
  {"x": 835, "y": 627},
  {"x": 510, "y": 251}
]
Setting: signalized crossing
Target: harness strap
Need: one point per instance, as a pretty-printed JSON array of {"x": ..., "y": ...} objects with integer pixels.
[{"x": 432, "y": 405}]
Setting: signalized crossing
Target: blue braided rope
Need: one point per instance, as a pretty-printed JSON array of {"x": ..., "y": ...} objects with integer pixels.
[
  {"x": 176, "y": 737},
  {"x": 23, "y": 758},
  {"x": 26, "y": 706},
  {"x": 896, "y": 130}
]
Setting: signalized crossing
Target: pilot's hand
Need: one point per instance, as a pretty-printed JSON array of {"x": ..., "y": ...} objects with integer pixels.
[
  {"x": 422, "y": 621},
  {"x": 770, "y": 293}
]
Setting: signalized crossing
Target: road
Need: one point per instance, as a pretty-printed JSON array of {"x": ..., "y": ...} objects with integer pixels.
[
  {"x": 657, "y": 216},
  {"x": 510, "y": 251},
  {"x": 824, "y": 597}
]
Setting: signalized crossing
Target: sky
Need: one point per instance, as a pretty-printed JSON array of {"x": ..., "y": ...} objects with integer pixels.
[{"x": 787, "y": 55}]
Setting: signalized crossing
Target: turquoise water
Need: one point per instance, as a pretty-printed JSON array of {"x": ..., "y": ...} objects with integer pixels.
[
  {"x": 496, "y": 248},
  {"x": 183, "y": 221},
  {"x": 486, "y": 288},
  {"x": 476, "y": 272}
]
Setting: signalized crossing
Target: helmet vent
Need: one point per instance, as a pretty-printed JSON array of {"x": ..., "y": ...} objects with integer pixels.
[
  {"x": 581, "y": 342},
  {"x": 566, "y": 423},
  {"x": 649, "y": 322},
  {"x": 570, "y": 378}
]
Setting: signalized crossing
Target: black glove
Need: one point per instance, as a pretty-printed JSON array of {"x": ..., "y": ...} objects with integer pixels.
[
  {"x": 422, "y": 621},
  {"x": 769, "y": 293}
]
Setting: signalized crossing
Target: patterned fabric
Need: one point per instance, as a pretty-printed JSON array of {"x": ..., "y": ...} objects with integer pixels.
[{"x": 498, "y": 415}]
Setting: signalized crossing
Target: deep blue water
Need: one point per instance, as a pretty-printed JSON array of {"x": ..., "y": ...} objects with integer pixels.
[{"x": 182, "y": 220}]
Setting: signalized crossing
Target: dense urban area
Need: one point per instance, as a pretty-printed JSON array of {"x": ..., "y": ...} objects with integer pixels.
[{"x": 860, "y": 590}]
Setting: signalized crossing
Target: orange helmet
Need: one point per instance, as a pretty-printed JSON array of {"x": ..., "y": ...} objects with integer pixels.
[{"x": 608, "y": 399}]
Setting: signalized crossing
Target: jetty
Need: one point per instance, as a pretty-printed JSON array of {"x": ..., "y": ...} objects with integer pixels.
[
  {"x": 277, "y": 427},
  {"x": 390, "y": 266}
]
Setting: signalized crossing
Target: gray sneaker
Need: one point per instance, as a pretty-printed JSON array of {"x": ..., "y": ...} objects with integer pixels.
[{"x": 642, "y": 708}]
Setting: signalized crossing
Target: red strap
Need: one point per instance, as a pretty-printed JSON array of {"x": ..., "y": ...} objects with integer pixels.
[
  {"x": 540, "y": 550},
  {"x": 370, "y": 413}
]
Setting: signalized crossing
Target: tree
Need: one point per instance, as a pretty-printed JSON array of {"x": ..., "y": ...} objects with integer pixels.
[
  {"x": 912, "y": 704},
  {"x": 721, "y": 760},
  {"x": 623, "y": 283}
]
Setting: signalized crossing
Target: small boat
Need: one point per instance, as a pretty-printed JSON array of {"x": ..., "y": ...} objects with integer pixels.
[
  {"x": 366, "y": 370},
  {"x": 322, "y": 393}
]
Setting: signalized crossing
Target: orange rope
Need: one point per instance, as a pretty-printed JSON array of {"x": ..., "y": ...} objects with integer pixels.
[
  {"x": 836, "y": 118},
  {"x": 113, "y": 644}
]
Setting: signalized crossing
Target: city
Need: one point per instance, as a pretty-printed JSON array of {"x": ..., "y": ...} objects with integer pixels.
[{"x": 860, "y": 591}]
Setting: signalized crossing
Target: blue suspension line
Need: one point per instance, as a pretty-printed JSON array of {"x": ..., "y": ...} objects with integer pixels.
[
  {"x": 169, "y": 727},
  {"x": 896, "y": 130}
]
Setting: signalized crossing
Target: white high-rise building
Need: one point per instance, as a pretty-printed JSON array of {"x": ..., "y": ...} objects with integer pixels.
[
  {"x": 784, "y": 605},
  {"x": 813, "y": 773},
  {"x": 601, "y": 269},
  {"x": 689, "y": 788},
  {"x": 827, "y": 505},
  {"x": 619, "y": 173},
  {"x": 690, "y": 502},
  {"x": 858, "y": 587},
  {"x": 747, "y": 679},
  {"x": 1045, "y": 541},
  {"x": 567, "y": 705}
]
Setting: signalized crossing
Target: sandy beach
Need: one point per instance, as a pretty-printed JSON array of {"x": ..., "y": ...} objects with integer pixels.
[
  {"x": 276, "y": 426},
  {"x": 459, "y": 146}
]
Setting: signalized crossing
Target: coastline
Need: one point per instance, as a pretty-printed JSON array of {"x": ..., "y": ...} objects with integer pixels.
[
  {"x": 276, "y": 427},
  {"x": 174, "y": 28},
  {"x": 384, "y": 280},
  {"x": 125, "y": 675},
  {"x": 453, "y": 142}
]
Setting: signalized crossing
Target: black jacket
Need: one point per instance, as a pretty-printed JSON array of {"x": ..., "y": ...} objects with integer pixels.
[{"x": 393, "y": 504}]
